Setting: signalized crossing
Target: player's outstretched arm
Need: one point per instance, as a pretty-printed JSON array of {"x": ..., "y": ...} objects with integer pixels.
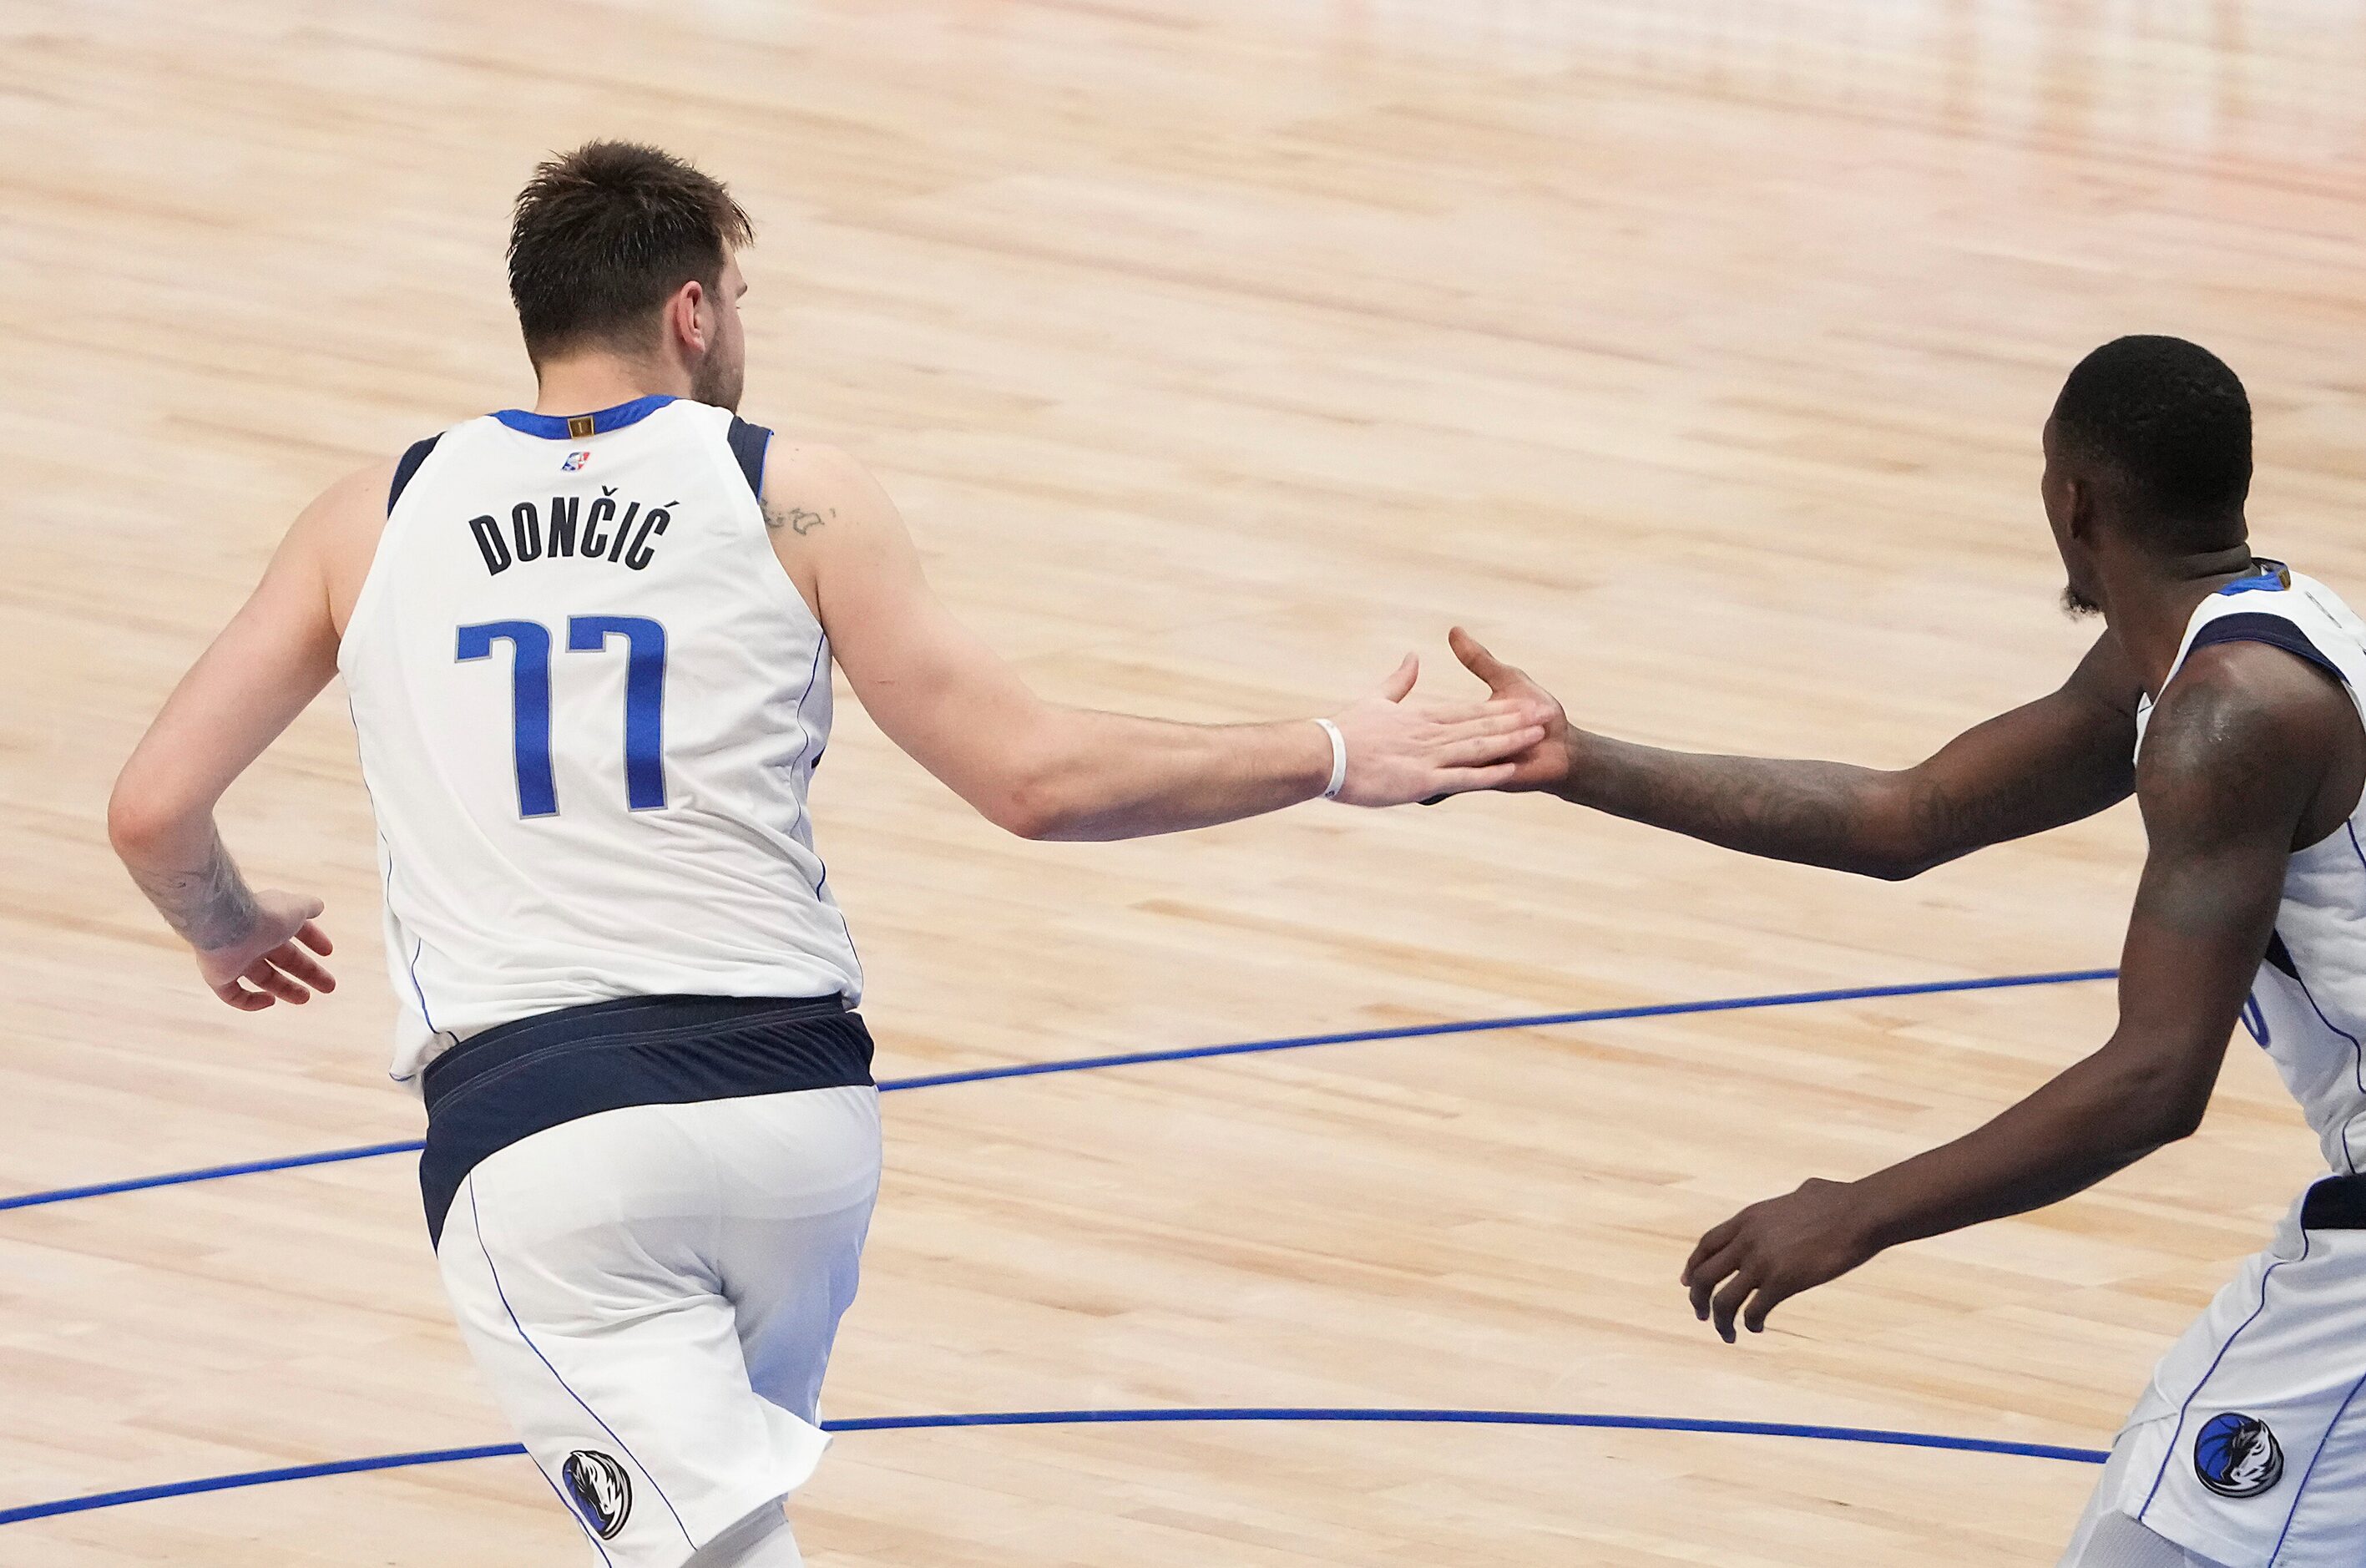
[
  {"x": 272, "y": 660},
  {"x": 1048, "y": 772},
  {"x": 2230, "y": 779},
  {"x": 2055, "y": 761}
]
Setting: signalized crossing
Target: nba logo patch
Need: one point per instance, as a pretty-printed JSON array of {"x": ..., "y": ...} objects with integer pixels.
[
  {"x": 2237, "y": 1456},
  {"x": 574, "y": 460}
]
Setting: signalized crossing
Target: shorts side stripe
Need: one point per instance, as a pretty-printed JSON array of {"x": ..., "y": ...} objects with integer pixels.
[
  {"x": 2300, "y": 1492},
  {"x": 2266, "y": 1277},
  {"x": 476, "y": 1219},
  {"x": 2357, "y": 1051},
  {"x": 574, "y": 1512}
]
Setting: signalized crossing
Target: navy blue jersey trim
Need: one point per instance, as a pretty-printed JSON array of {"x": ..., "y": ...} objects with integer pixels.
[
  {"x": 517, "y": 1079},
  {"x": 749, "y": 444},
  {"x": 576, "y": 426},
  {"x": 407, "y": 465},
  {"x": 2279, "y": 954},
  {"x": 2335, "y": 1203},
  {"x": 2273, "y": 630}
]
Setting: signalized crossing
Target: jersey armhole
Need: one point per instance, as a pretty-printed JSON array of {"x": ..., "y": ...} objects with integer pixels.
[
  {"x": 2273, "y": 630},
  {"x": 749, "y": 444},
  {"x": 365, "y": 598},
  {"x": 406, "y": 466}
]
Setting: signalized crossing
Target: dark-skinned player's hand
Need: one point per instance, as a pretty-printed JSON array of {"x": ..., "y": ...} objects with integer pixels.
[
  {"x": 1546, "y": 763},
  {"x": 1773, "y": 1250}
]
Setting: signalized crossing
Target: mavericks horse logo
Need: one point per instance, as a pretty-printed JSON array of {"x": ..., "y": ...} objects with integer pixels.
[
  {"x": 601, "y": 1489},
  {"x": 2237, "y": 1456}
]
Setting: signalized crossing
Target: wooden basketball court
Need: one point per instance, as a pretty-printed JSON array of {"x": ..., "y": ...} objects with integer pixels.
[{"x": 1694, "y": 354}]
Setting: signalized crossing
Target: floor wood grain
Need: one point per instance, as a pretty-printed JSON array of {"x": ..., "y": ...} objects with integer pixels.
[{"x": 1694, "y": 354}]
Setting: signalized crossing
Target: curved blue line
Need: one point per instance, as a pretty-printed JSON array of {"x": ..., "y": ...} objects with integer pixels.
[
  {"x": 1113, "y": 1417},
  {"x": 1186, "y": 1054}
]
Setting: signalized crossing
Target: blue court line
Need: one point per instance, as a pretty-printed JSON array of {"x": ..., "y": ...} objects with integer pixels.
[
  {"x": 1185, "y": 1053},
  {"x": 1483, "y": 1025},
  {"x": 1110, "y": 1418},
  {"x": 209, "y": 1173}
]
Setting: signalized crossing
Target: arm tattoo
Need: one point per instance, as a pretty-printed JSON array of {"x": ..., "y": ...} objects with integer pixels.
[
  {"x": 1810, "y": 812},
  {"x": 2064, "y": 757},
  {"x": 795, "y": 518},
  {"x": 1862, "y": 820},
  {"x": 2011, "y": 806},
  {"x": 211, "y": 907}
]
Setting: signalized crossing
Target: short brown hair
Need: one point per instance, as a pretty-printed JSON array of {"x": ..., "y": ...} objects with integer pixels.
[{"x": 603, "y": 235}]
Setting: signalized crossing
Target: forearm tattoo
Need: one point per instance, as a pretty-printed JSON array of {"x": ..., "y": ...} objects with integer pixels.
[
  {"x": 1810, "y": 812},
  {"x": 211, "y": 906}
]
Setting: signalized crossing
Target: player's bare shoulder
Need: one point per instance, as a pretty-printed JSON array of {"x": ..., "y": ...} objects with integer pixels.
[
  {"x": 798, "y": 492},
  {"x": 2246, "y": 732},
  {"x": 338, "y": 533},
  {"x": 810, "y": 487},
  {"x": 825, "y": 512}
]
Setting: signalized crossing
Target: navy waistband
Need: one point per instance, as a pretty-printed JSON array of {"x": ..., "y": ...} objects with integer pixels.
[
  {"x": 517, "y": 1079},
  {"x": 2335, "y": 1203}
]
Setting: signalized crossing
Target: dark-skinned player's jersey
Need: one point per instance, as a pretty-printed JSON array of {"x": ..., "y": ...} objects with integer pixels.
[{"x": 2307, "y": 1009}]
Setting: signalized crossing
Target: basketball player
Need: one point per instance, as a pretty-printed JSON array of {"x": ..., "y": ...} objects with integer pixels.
[
  {"x": 2223, "y": 693},
  {"x": 588, "y": 648}
]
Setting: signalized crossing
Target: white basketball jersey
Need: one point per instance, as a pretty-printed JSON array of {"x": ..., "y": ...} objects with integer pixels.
[
  {"x": 2307, "y": 1008},
  {"x": 589, "y": 705}
]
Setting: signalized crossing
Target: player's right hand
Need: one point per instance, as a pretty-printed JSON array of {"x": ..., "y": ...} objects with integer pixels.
[
  {"x": 1545, "y": 764},
  {"x": 269, "y": 963},
  {"x": 1400, "y": 752}
]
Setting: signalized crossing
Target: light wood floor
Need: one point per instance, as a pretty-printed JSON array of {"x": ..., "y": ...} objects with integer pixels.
[{"x": 1220, "y": 350}]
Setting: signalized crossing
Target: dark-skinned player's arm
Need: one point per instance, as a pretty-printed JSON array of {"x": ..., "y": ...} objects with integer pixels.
[
  {"x": 2057, "y": 759},
  {"x": 2238, "y": 750},
  {"x": 254, "y": 949},
  {"x": 1044, "y": 770}
]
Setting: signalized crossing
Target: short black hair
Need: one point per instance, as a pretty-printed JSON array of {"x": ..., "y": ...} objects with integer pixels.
[
  {"x": 603, "y": 235},
  {"x": 2173, "y": 422}
]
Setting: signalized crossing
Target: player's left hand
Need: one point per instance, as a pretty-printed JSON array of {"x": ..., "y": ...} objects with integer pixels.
[{"x": 1772, "y": 1251}]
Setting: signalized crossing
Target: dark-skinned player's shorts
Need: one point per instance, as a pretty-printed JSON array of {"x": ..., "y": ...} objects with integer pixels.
[{"x": 2248, "y": 1447}]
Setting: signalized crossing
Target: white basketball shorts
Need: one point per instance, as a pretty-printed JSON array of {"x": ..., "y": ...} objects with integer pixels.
[
  {"x": 2248, "y": 1447},
  {"x": 650, "y": 1294}
]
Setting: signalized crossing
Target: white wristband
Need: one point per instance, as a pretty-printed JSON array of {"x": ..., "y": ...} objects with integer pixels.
[{"x": 1338, "y": 760}]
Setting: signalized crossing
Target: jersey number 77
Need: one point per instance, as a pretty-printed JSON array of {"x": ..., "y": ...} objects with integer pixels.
[{"x": 538, "y": 793}]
